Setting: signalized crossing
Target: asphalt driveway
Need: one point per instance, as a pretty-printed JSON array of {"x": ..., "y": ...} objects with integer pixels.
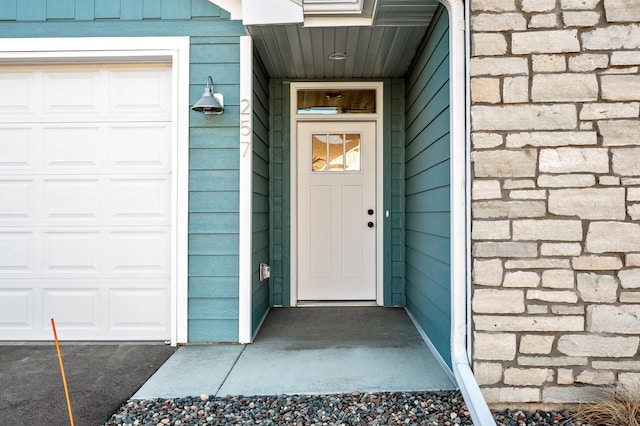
[{"x": 100, "y": 377}]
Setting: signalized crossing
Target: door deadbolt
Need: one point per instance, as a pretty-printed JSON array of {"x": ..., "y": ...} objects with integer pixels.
[{"x": 370, "y": 212}]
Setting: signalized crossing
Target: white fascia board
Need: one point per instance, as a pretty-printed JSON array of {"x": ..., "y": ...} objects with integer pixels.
[
  {"x": 334, "y": 21},
  {"x": 234, "y": 7},
  {"x": 460, "y": 289},
  {"x": 333, "y": 6},
  {"x": 271, "y": 12}
]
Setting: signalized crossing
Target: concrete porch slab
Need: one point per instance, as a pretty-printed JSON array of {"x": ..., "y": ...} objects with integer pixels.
[
  {"x": 308, "y": 351},
  {"x": 191, "y": 371}
]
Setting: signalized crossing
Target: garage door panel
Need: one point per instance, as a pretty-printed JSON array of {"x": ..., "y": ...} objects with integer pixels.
[
  {"x": 77, "y": 252},
  {"x": 16, "y": 201},
  {"x": 85, "y": 201},
  {"x": 71, "y": 147},
  {"x": 65, "y": 91},
  {"x": 74, "y": 200},
  {"x": 140, "y": 200},
  {"x": 16, "y": 309},
  {"x": 16, "y": 149},
  {"x": 138, "y": 308},
  {"x": 18, "y": 252},
  {"x": 16, "y": 92},
  {"x": 72, "y": 308},
  {"x": 136, "y": 252},
  {"x": 139, "y": 147},
  {"x": 140, "y": 90}
]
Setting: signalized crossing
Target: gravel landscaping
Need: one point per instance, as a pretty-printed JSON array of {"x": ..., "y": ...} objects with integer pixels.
[{"x": 381, "y": 408}]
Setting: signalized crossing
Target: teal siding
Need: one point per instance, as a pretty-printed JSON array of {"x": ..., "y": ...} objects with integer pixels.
[
  {"x": 260, "y": 217},
  {"x": 213, "y": 188},
  {"x": 394, "y": 254},
  {"x": 427, "y": 186},
  {"x": 214, "y": 152},
  {"x": 279, "y": 187},
  {"x": 88, "y": 10}
]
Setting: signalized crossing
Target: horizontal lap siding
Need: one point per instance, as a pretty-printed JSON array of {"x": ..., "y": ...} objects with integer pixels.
[
  {"x": 427, "y": 187},
  {"x": 214, "y": 193},
  {"x": 214, "y": 153},
  {"x": 260, "y": 242}
]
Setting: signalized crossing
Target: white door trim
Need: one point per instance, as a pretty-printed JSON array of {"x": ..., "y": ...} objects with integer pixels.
[
  {"x": 380, "y": 217},
  {"x": 245, "y": 273},
  {"x": 173, "y": 50}
]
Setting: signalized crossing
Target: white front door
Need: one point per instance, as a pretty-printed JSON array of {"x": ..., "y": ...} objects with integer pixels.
[{"x": 336, "y": 211}]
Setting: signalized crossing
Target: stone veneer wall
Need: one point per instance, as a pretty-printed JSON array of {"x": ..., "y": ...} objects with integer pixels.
[{"x": 555, "y": 93}]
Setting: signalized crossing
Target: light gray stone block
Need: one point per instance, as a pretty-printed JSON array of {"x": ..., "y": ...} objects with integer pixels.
[
  {"x": 589, "y": 203},
  {"x": 572, "y": 160},
  {"x": 498, "y": 301},
  {"x": 590, "y": 345},
  {"x": 554, "y": 41},
  {"x": 597, "y": 288},
  {"x": 524, "y": 117},
  {"x": 624, "y": 319}
]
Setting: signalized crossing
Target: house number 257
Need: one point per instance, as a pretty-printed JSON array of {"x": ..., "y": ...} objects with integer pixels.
[{"x": 245, "y": 125}]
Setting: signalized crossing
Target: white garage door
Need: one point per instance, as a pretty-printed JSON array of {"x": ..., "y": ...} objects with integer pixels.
[{"x": 85, "y": 201}]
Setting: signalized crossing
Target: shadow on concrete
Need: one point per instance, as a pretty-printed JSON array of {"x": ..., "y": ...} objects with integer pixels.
[{"x": 101, "y": 377}]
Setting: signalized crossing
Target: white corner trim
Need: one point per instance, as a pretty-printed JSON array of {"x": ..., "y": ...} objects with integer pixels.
[
  {"x": 469, "y": 388},
  {"x": 245, "y": 334},
  {"x": 181, "y": 185},
  {"x": 174, "y": 50}
]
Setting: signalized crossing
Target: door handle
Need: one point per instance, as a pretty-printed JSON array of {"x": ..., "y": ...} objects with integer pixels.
[{"x": 370, "y": 224}]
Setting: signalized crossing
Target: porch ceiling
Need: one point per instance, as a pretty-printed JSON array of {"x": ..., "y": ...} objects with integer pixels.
[{"x": 386, "y": 49}]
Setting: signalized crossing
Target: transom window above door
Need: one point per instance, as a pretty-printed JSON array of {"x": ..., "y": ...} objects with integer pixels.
[
  {"x": 336, "y": 101},
  {"x": 335, "y": 152}
]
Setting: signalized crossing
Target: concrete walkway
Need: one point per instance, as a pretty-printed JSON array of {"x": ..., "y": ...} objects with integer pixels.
[{"x": 315, "y": 350}]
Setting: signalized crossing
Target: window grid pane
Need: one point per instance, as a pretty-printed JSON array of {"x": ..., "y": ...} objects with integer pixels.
[{"x": 335, "y": 152}]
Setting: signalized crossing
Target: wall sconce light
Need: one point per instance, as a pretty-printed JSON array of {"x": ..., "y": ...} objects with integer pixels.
[{"x": 210, "y": 103}]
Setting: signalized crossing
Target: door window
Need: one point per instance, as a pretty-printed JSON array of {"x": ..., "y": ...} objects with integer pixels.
[
  {"x": 347, "y": 101},
  {"x": 335, "y": 152}
]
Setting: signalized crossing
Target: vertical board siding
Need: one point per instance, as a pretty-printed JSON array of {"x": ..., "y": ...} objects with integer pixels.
[
  {"x": 35, "y": 10},
  {"x": 213, "y": 144},
  {"x": 260, "y": 214},
  {"x": 107, "y": 9},
  {"x": 394, "y": 281},
  {"x": 8, "y": 10},
  {"x": 151, "y": 9},
  {"x": 60, "y": 9},
  {"x": 88, "y": 10},
  {"x": 427, "y": 187},
  {"x": 279, "y": 189}
]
